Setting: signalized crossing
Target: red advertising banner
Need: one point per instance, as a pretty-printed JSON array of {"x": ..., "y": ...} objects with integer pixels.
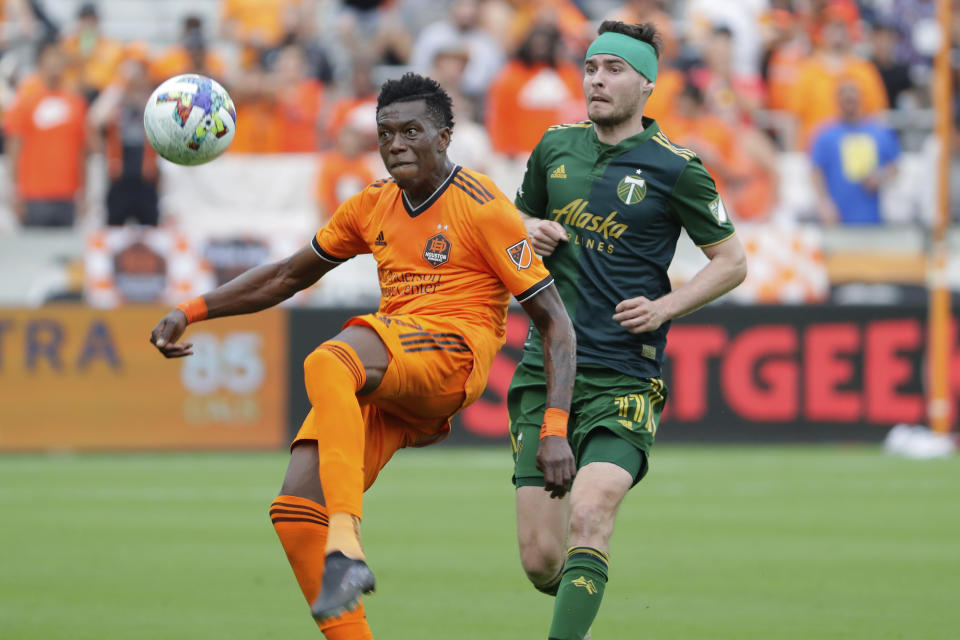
[
  {"x": 734, "y": 373},
  {"x": 752, "y": 374},
  {"x": 73, "y": 378}
]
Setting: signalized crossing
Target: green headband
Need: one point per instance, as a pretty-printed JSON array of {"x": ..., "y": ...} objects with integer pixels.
[{"x": 638, "y": 54}]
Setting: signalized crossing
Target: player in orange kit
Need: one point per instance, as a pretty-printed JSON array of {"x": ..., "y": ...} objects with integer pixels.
[{"x": 450, "y": 248}]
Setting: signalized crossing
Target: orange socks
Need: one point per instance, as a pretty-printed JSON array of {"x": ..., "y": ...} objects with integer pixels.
[
  {"x": 333, "y": 374},
  {"x": 301, "y": 525}
]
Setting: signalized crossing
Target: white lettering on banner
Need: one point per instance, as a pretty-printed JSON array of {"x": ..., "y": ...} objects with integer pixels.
[{"x": 233, "y": 363}]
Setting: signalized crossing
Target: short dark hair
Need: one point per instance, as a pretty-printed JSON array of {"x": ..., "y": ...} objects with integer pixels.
[
  {"x": 412, "y": 86},
  {"x": 645, "y": 32}
]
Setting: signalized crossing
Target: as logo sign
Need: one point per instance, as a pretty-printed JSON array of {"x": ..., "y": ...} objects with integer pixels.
[{"x": 437, "y": 251}]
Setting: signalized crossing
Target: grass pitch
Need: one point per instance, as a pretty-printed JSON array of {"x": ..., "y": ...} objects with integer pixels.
[{"x": 717, "y": 543}]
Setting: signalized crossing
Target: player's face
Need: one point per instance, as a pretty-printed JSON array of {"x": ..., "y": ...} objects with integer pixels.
[
  {"x": 411, "y": 145},
  {"x": 614, "y": 90}
]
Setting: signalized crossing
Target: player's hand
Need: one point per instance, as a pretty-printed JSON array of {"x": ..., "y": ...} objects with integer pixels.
[
  {"x": 165, "y": 335},
  {"x": 545, "y": 235},
  {"x": 555, "y": 460},
  {"x": 640, "y": 315}
]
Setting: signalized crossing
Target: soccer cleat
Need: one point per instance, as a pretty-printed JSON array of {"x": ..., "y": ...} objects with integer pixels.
[{"x": 344, "y": 581}]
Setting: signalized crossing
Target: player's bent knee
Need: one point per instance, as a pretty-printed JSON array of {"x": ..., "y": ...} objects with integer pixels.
[
  {"x": 322, "y": 363},
  {"x": 540, "y": 563},
  {"x": 332, "y": 368}
]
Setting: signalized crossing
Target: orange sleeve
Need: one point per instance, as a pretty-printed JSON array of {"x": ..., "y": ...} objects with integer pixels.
[
  {"x": 503, "y": 243},
  {"x": 341, "y": 238}
]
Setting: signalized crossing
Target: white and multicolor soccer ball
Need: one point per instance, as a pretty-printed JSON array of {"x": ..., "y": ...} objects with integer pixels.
[{"x": 190, "y": 119}]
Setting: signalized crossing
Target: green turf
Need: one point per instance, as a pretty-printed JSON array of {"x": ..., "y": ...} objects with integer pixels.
[{"x": 716, "y": 543}]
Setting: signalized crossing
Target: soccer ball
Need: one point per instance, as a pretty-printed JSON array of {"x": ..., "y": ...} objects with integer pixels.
[{"x": 190, "y": 119}]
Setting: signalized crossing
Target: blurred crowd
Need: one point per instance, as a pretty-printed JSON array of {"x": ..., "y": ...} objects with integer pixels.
[{"x": 741, "y": 81}]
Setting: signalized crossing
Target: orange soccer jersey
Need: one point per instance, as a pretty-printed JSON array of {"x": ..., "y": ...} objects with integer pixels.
[{"x": 455, "y": 258}]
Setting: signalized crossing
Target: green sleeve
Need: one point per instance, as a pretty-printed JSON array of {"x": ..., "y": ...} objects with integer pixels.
[
  {"x": 697, "y": 204},
  {"x": 532, "y": 195}
]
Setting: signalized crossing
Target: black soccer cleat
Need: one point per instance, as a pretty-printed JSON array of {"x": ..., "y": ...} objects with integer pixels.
[{"x": 344, "y": 581}]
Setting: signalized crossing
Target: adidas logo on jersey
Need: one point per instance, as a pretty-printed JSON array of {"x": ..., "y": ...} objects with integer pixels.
[
  {"x": 559, "y": 172},
  {"x": 380, "y": 242}
]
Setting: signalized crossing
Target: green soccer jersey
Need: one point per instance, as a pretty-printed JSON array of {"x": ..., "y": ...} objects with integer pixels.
[{"x": 623, "y": 206}]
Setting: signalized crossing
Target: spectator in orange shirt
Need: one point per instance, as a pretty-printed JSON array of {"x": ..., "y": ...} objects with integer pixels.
[
  {"x": 538, "y": 88},
  {"x": 731, "y": 94},
  {"x": 251, "y": 91},
  {"x": 116, "y": 118},
  {"x": 574, "y": 28},
  {"x": 258, "y": 25},
  {"x": 190, "y": 55},
  {"x": 741, "y": 158},
  {"x": 46, "y": 144},
  {"x": 357, "y": 104},
  {"x": 302, "y": 33},
  {"x": 788, "y": 46},
  {"x": 814, "y": 99},
  {"x": 93, "y": 57},
  {"x": 297, "y": 100},
  {"x": 344, "y": 169}
]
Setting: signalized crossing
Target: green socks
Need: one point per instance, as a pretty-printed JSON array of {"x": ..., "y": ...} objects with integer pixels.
[{"x": 580, "y": 593}]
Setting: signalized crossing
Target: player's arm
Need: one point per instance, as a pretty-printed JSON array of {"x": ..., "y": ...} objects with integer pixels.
[
  {"x": 726, "y": 269},
  {"x": 257, "y": 289},
  {"x": 698, "y": 206},
  {"x": 554, "y": 456},
  {"x": 531, "y": 202}
]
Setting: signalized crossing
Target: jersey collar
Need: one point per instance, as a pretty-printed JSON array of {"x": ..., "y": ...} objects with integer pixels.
[
  {"x": 650, "y": 129},
  {"x": 412, "y": 211}
]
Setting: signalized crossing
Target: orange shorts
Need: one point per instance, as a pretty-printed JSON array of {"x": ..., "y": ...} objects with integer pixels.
[{"x": 425, "y": 384}]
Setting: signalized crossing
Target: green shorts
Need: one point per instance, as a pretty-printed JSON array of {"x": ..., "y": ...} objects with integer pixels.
[{"x": 605, "y": 402}]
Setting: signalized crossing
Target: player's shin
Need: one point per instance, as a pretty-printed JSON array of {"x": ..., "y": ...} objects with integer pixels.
[
  {"x": 333, "y": 375},
  {"x": 301, "y": 525},
  {"x": 580, "y": 593}
]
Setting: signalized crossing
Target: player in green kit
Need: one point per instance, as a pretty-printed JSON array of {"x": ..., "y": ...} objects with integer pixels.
[{"x": 604, "y": 202}]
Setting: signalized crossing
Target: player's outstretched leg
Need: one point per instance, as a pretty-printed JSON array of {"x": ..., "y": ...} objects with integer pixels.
[
  {"x": 595, "y": 498},
  {"x": 333, "y": 374}
]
